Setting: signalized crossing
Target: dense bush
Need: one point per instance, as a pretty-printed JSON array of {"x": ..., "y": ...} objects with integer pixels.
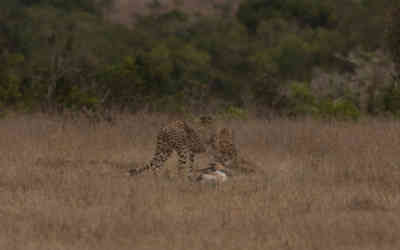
[
  {"x": 392, "y": 99},
  {"x": 393, "y": 35},
  {"x": 92, "y": 6},
  {"x": 57, "y": 55},
  {"x": 11, "y": 82},
  {"x": 313, "y": 13},
  {"x": 303, "y": 102}
]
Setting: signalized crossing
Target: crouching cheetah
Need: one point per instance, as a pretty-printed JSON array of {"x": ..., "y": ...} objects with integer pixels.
[
  {"x": 223, "y": 148},
  {"x": 226, "y": 153},
  {"x": 178, "y": 136}
]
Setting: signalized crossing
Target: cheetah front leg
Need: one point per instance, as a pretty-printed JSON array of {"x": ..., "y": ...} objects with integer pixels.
[{"x": 185, "y": 161}]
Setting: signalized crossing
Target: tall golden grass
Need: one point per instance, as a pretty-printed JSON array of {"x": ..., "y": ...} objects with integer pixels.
[{"x": 319, "y": 185}]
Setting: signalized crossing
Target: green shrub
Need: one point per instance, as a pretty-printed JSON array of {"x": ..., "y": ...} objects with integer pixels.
[
  {"x": 314, "y": 13},
  {"x": 232, "y": 112},
  {"x": 344, "y": 109},
  {"x": 392, "y": 99},
  {"x": 125, "y": 84},
  {"x": 78, "y": 99},
  {"x": 324, "y": 44},
  {"x": 292, "y": 57},
  {"x": 10, "y": 80},
  {"x": 393, "y": 36},
  {"x": 93, "y": 6},
  {"x": 340, "y": 109},
  {"x": 302, "y": 101}
]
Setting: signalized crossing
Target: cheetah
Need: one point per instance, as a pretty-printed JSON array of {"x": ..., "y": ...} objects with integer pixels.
[
  {"x": 225, "y": 153},
  {"x": 223, "y": 148},
  {"x": 178, "y": 136}
]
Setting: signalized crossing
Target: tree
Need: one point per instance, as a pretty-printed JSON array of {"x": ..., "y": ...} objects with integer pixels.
[{"x": 393, "y": 37}]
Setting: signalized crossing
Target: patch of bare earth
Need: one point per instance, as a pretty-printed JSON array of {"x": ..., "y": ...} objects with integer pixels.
[{"x": 319, "y": 186}]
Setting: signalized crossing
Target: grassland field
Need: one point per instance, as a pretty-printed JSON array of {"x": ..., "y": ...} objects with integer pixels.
[{"x": 319, "y": 185}]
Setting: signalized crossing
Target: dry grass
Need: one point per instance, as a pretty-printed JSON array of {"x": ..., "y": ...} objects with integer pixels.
[{"x": 320, "y": 186}]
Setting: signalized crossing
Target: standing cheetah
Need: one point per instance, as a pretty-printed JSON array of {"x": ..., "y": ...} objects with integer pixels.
[{"x": 178, "y": 136}]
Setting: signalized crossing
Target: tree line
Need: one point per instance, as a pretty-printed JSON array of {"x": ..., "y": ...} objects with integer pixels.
[{"x": 262, "y": 57}]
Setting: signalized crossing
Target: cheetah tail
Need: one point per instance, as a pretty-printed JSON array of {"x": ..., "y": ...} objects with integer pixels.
[{"x": 137, "y": 171}]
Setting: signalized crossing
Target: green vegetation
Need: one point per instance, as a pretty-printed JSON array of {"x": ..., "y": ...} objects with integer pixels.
[
  {"x": 302, "y": 102},
  {"x": 393, "y": 37},
  {"x": 58, "y": 55}
]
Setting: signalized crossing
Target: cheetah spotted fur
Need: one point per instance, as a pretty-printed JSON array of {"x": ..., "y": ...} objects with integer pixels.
[
  {"x": 223, "y": 148},
  {"x": 177, "y": 136}
]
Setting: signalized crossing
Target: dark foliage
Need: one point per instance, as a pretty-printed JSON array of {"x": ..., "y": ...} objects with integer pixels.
[{"x": 57, "y": 55}]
